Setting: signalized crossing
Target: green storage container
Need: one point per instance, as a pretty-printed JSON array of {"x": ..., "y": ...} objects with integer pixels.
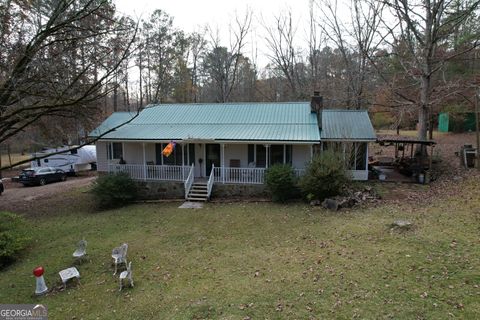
[
  {"x": 443, "y": 121},
  {"x": 459, "y": 122}
]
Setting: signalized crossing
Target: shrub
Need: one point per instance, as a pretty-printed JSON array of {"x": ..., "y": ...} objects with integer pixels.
[
  {"x": 280, "y": 180},
  {"x": 325, "y": 176},
  {"x": 14, "y": 237},
  {"x": 114, "y": 190}
]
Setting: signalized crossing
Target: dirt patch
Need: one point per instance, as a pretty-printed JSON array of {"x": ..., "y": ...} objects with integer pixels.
[{"x": 43, "y": 199}]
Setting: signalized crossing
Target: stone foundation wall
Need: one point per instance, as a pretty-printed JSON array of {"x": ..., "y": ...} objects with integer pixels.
[
  {"x": 153, "y": 190},
  {"x": 239, "y": 190}
]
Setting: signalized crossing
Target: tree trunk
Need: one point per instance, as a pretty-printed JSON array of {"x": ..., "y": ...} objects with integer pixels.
[
  {"x": 0, "y": 161},
  {"x": 424, "y": 105}
]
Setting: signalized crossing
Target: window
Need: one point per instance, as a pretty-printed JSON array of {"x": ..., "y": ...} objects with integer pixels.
[
  {"x": 277, "y": 153},
  {"x": 114, "y": 150},
  {"x": 175, "y": 159},
  {"x": 288, "y": 154},
  {"x": 261, "y": 156},
  {"x": 354, "y": 153},
  {"x": 361, "y": 156},
  {"x": 251, "y": 153},
  {"x": 191, "y": 154},
  {"x": 74, "y": 151}
]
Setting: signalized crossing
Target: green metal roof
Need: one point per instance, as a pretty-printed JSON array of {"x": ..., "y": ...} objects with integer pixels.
[
  {"x": 114, "y": 120},
  {"x": 289, "y": 121},
  {"x": 286, "y": 121},
  {"x": 346, "y": 125}
]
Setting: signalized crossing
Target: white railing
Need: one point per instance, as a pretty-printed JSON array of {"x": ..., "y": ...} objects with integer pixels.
[
  {"x": 151, "y": 172},
  {"x": 211, "y": 180},
  {"x": 186, "y": 174},
  {"x": 299, "y": 172},
  {"x": 240, "y": 175},
  {"x": 189, "y": 182}
]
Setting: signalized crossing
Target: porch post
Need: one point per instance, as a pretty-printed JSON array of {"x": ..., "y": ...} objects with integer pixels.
[
  {"x": 267, "y": 155},
  {"x": 110, "y": 146},
  {"x": 222, "y": 161},
  {"x": 183, "y": 161},
  {"x": 366, "y": 158},
  {"x": 144, "y": 163},
  {"x": 311, "y": 151}
]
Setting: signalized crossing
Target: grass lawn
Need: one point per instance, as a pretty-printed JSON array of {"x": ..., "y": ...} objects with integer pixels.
[
  {"x": 14, "y": 158},
  {"x": 260, "y": 260}
]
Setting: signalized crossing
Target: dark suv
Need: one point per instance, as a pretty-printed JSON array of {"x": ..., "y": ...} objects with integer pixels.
[{"x": 41, "y": 176}]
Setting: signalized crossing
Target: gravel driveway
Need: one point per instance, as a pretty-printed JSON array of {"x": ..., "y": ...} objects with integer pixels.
[{"x": 16, "y": 197}]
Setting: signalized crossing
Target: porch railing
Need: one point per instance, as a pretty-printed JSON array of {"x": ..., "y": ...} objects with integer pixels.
[
  {"x": 152, "y": 172},
  {"x": 240, "y": 175},
  {"x": 186, "y": 174},
  {"x": 210, "y": 182},
  {"x": 299, "y": 172},
  {"x": 189, "y": 182}
]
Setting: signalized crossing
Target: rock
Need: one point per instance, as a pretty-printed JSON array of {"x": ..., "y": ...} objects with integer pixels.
[
  {"x": 330, "y": 204},
  {"x": 401, "y": 224}
]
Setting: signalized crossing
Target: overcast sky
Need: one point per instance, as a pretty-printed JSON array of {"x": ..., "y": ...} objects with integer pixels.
[
  {"x": 189, "y": 14},
  {"x": 192, "y": 15}
]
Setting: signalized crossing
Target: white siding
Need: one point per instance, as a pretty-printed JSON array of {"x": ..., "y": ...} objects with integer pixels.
[
  {"x": 236, "y": 152},
  {"x": 102, "y": 161},
  {"x": 133, "y": 152},
  {"x": 150, "y": 153},
  {"x": 300, "y": 156}
]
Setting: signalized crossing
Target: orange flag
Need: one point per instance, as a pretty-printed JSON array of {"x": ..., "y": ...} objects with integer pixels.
[{"x": 167, "y": 151}]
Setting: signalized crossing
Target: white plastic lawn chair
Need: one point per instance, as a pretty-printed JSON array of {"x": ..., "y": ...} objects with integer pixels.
[
  {"x": 126, "y": 275},
  {"x": 81, "y": 251},
  {"x": 119, "y": 256}
]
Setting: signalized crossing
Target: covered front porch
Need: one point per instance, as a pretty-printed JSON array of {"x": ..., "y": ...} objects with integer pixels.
[
  {"x": 200, "y": 163},
  {"x": 230, "y": 162}
]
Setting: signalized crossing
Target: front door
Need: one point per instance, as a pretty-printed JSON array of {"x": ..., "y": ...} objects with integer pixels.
[{"x": 212, "y": 157}]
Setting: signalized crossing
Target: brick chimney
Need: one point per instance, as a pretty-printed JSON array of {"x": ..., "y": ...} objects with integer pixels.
[{"x": 316, "y": 106}]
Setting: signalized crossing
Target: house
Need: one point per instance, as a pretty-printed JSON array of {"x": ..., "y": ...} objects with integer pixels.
[{"x": 229, "y": 144}]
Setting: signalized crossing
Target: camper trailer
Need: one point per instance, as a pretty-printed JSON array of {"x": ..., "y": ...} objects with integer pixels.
[{"x": 70, "y": 161}]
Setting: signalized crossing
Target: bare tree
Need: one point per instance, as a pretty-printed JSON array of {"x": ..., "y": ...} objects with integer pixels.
[
  {"x": 221, "y": 64},
  {"x": 55, "y": 69},
  {"x": 356, "y": 40},
  {"x": 197, "y": 49},
  {"x": 280, "y": 40},
  {"x": 422, "y": 27}
]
